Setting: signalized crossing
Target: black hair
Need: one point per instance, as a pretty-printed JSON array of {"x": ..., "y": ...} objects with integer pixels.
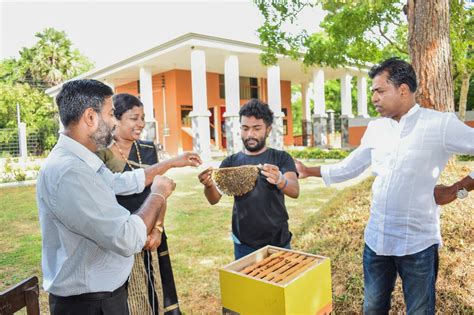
[
  {"x": 124, "y": 102},
  {"x": 399, "y": 72},
  {"x": 78, "y": 95},
  {"x": 257, "y": 109}
]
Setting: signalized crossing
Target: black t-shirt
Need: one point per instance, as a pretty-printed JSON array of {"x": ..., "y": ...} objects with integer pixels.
[{"x": 259, "y": 217}]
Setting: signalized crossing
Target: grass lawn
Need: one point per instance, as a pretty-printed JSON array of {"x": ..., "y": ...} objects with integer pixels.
[
  {"x": 324, "y": 221},
  {"x": 198, "y": 237}
]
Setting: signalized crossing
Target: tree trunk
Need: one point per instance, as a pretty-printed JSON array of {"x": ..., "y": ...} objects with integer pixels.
[
  {"x": 466, "y": 76},
  {"x": 430, "y": 52}
]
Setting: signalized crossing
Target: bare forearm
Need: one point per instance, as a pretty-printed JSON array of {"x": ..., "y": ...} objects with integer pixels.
[
  {"x": 212, "y": 194},
  {"x": 314, "y": 171},
  {"x": 161, "y": 217},
  {"x": 157, "y": 169},
  {"x": 292, "y": 188},
  {"x": 150, "y": 211}
]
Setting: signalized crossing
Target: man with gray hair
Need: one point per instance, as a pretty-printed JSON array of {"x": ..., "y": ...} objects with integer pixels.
[{"x": 88, "y": 238}]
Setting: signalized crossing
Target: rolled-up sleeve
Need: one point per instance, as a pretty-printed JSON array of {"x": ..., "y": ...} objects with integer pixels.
[
  {"x": 128, "y": 183},
  {"x": 88, "y": 207}
]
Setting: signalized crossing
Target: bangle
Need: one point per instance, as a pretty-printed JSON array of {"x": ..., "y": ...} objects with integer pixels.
[
  {"x": 159, "y": 228},
  {"x": 159, "y": 195},
  {"x": 286, "y": 183}
]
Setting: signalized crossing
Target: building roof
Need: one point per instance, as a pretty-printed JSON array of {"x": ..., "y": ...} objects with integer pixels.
[{"x": 176, "y": 54}]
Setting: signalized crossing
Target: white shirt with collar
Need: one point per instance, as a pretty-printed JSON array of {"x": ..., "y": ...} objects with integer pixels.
[
  {"x": 407, "y": 158},
  {"x": 88, "y": 239}
]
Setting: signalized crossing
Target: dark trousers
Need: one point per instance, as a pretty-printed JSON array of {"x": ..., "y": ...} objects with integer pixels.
[
  {"x": 418, "y": 273},
  {"x": 97, "y": 303}
]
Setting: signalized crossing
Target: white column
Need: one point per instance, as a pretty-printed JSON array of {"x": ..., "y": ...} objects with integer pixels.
[
  {"x": 274, "y": 101},
  {"x": 319, "y": 117},
  {"x": 22, "y": 140},
  {"x": 146, "y": 96},
  {"x": 362, "y": 97},
  {"x": 232, "y": 105},
  {"x": 346, "y": 97},
  {"x": 318, "y": 93},
  {"x": 200, "y": 113}
]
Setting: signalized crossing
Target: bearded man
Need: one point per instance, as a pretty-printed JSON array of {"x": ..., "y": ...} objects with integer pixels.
[
  {"x": 88, "y": 239},
  {"x": 259, "y": 217}
]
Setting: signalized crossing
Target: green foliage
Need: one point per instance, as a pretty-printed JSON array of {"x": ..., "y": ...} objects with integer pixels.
[
  {"x": 296, "y": 110},
  {"x": 49, "y": 62},
  {"x": 359, "y": 33},
  {"x": 462, "y": 37},
  {"x": 355, "y": 32},
  {"x": 317, "y": 153},
  {"x": 36, "y": 110},
  {"x": 466, "y": 157}
]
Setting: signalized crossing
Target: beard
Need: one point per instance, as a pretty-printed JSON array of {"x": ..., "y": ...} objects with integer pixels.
[
  {"x": 103, "y": 137},
  {"x": 259, "y": 144}
]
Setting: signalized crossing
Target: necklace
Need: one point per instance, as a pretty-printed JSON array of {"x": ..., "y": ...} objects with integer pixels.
[{"x": 126, "y": 160}]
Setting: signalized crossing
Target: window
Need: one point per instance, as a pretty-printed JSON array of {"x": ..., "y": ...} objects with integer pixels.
[
  {"x": 248, "y": 87},
  {"x": 285, "y": 121},
  {"x": 221, "y": 86},
  {"x": 185, "y": 119}
]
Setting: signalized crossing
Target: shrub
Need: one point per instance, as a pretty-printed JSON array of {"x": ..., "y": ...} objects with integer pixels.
[
  {"x": 317, "y": 153},
  {"x": 466, "y": 157}
]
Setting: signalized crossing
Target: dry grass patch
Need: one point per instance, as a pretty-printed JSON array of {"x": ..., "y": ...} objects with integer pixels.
[{"x": 337, "y": 232}]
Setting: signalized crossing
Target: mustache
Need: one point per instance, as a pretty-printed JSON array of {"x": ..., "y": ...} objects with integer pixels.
[{"x": 250, "y": 139}]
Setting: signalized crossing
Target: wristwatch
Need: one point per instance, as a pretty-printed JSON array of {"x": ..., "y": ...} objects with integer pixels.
[{"x": 462, "y": 193}]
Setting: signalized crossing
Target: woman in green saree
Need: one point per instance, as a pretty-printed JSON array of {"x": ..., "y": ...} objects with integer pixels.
[{"x": 151, "y": 285}]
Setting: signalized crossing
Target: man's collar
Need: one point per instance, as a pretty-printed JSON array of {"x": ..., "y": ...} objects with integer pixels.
[
  {"x": 412, "y": 110},
  {"x": 80, "y": 151}
]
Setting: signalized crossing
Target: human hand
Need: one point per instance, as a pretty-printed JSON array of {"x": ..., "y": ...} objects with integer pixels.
[
  {"x": 273, "y": 174},
  {"x": 445, "y": 194},
  {"x": 187, "y": 159},
  {"x": 301, "y": 169},
  {"x": 205, "y": 177},
  {"x": 153, "y": 240},
  {"x": 163, "y": 185}
]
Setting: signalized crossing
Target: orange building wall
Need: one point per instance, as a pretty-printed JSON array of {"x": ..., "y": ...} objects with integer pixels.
[
  {"x": 178, "y": 92},
  {"x": 130, "y": 88},
  {"x": 355, "y": 135},
  {"x": 171, "y": 142}
]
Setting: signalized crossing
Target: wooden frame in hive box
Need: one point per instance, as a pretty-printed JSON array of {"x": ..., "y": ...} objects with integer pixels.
[{"x": 306, "y": 292}]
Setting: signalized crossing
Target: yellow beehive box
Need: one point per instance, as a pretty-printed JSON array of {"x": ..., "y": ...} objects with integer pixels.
[{"x": 277, "y": 281}]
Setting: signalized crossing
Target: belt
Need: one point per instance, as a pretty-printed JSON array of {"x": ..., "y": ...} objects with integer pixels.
[{"x": 93, "y": 296}]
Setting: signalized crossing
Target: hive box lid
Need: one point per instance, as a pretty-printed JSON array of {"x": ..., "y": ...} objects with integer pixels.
[{"x": 306, "y": 292}]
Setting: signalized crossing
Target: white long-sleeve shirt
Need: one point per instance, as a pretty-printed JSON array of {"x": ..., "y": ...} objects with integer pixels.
[
  {"x": 407, "y": 158},
  {"x": 88, "y": 238}
]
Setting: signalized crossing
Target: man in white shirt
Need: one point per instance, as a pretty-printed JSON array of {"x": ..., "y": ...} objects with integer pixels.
[
  {"x": 88, "y": 238},
  {"x": 408, "y": 149}
]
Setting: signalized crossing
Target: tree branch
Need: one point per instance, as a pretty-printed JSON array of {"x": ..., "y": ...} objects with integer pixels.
[{"x": 390, "y": 41}]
